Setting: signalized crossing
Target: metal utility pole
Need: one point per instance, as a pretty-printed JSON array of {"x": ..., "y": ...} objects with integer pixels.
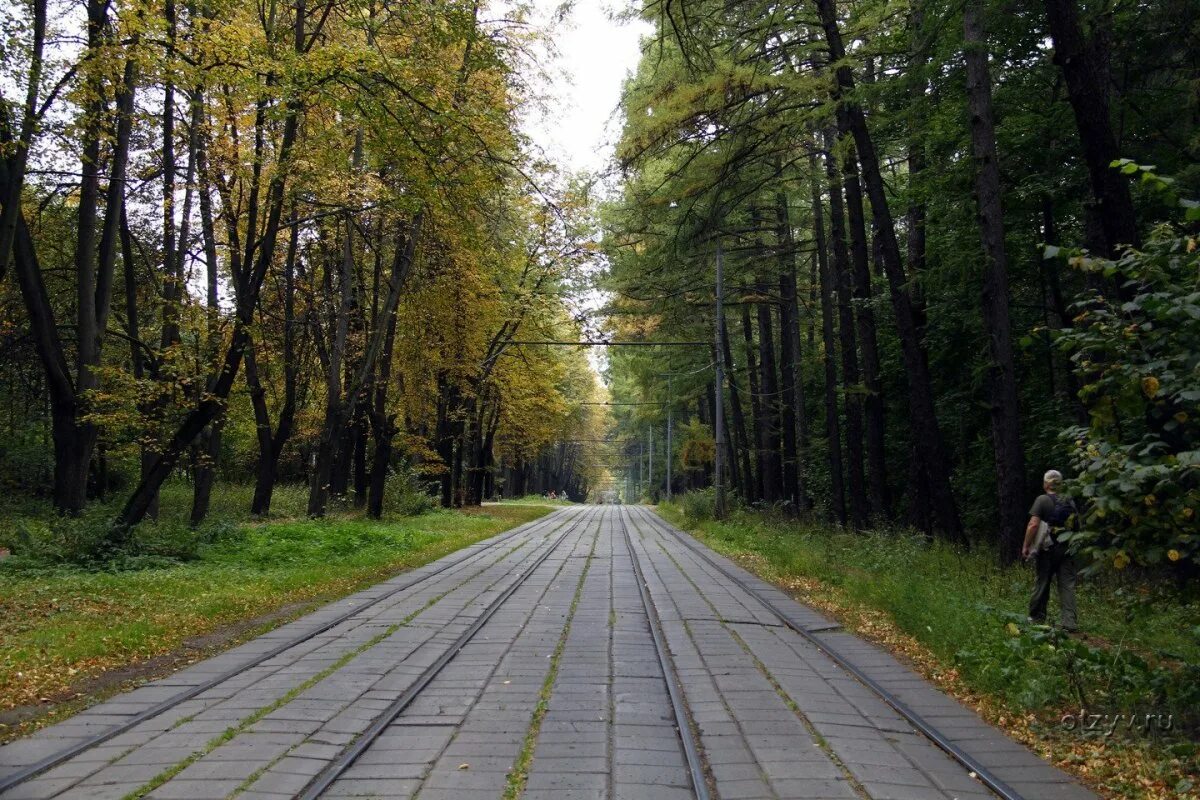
[
  {"x": 719, "y": 399},
  {"x": 640, "y": 481},
  {"x": 650, "y": 436},
  {"x": 670, "y": 402}
]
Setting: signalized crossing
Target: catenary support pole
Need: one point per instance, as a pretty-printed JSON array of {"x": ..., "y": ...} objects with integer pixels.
[
  {"x": 670, "y": 402},
  {"x": 650, "y": 438},
  {"x": 719, "y": 394}
]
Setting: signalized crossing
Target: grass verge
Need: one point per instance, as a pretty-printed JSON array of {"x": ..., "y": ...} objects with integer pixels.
[
  {"x": 64, "y": 628},
  {"x": 959, "y": 619}
]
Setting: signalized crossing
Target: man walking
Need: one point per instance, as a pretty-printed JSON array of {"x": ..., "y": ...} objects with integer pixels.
[{"x": 1052, "y": 556}]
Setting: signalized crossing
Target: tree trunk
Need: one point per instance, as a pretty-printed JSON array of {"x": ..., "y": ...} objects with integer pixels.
[
  {"x": 771, "y": 406},
  {"x": 864, "y": 318},
  {"x": 758, "y": 414},
  {"x": 383, "y": 425},
  {"x": 851, "y": 396},
  {"x": 210, "y": 440},
  {"x": 360, "y": 461},
  {"x": 1002, "y": 378},
  {"x": 264, "y": 484},
  {"x": 833, "y": 436},
  {"x": 921, "y": 406},
  {"x": 1084, "y": 68},
  {"x": 335, "y": 411},
  {"x": 740, "y": 437},
  {"x": 794, "y": 423},
  {"x": 209, "y": 452},
  {"x": 270, "y": 446}
]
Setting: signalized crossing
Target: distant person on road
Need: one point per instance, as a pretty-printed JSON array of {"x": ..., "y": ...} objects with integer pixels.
[{"x": 1051, "y": 515}]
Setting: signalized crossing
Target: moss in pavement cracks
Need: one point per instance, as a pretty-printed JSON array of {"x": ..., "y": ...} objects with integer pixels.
[
  {"x": 291, "y": 695},
  {"x": 519, "y": 774},
  {"x": 60, "y": 624},
  {"x": 961, "y": 619}
]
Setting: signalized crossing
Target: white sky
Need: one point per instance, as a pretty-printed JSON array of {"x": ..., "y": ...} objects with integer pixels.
[{"x": 595, "y": 52}]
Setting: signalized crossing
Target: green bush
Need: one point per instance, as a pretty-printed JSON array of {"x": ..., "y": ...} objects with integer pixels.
[
  {"x": 1138, "y": 361},
  {"x": 406, "y": 495},
  {"x": 698, "y": 504},
  {"x": 82, "y": 540},
  {"x": 1036, "y": 666}
]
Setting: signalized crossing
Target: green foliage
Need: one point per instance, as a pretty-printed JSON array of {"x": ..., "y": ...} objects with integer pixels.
[
  {"x": 1036, "y": 666},
  {"x": 61, "y": 540},
  {"x": 698, "y": 449},
  {"x": 82, "y": 541},
  {"x": 1138, "y": 363},
  {"x": 406, "y": 495},
  {"x": 697, "y": 506},
  {"x": 959, "y": 604}
]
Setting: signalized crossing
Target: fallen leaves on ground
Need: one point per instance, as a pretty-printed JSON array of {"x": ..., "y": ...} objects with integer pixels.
[{"x": 1114, "y": 768}]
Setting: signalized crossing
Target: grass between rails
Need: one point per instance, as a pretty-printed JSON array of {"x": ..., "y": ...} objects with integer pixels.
[
  {"x": 518, "y": 776},
  {"x": 958, "y": 619},
  {"x": 64, "y": 626},
  {"x": 233, "y": 730}
]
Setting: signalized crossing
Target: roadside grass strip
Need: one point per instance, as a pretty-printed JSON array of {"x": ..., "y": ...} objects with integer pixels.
[{"x": 73, "y": 635}]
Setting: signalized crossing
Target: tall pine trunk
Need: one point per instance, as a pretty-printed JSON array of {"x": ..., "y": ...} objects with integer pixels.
[
  {"x": 833, "y": 434},
  {"x": 794, "y": 423},
  {"x": 864, "y": 319},
  {"x": 923, "y": 416},
  {"x": 771, "y": 405},
  {"x": 1083, "y": 63},
  {"x": 1002, "y": 379},
  {"x": 757, "y": 411},
  {"x": 851, "y": 394},
  {"x": 740, "y": 441}
]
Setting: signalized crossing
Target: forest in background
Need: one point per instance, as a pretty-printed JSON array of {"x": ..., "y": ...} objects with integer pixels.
[
  {"x": 959, "y": 249},
  {"x": 277, "y": 242}
]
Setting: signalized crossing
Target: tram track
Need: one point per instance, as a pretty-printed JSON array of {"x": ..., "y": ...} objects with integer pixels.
[
  {"x": 346, "y": 758},
  {"x": 683, "y": 723},
  {"x": 471, "y": 676},
  {"x": 975, "y": 768},
  {"x": 546, "y": 526}
]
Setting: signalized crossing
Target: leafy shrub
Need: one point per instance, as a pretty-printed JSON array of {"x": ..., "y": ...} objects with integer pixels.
[
  {"x": 697, "y": 505},
  {"x": 1138, "y": 362},
  {"x": 1037, "y": 666},
  {"x": 406, "y": 495},
  {"x": 83, "y": 541},
  {"x": 80, "y": 539}
]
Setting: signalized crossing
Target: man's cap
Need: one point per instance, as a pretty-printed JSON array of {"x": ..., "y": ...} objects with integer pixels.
[{"x": 1052, "y": 476}]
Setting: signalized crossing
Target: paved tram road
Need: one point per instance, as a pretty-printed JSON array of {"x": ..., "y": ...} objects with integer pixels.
[{"x": 595, "y": 653}]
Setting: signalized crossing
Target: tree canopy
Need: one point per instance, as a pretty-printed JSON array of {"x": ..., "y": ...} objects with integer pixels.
[
  {"x": 282, "y": 242},
  {"x": 894, "y": 188}
]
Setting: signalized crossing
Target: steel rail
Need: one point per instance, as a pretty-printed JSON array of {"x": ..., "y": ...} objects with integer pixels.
[
  {"x": 687, "y": 736},
  {"x": 982, "y": 773},
  {"x": 334, "y": 770},
  {"x": 24, "y": 774}
]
